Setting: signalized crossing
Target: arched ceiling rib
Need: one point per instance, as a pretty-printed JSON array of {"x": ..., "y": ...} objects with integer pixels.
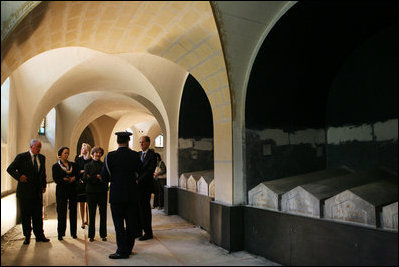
[{"x": 108, "y": 26}]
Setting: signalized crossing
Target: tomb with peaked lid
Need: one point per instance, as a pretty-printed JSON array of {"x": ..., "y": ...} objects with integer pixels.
[
  {"x": 204, "y": 182},
  {"x": 192, "y": 179},
  {"x": 268, "y": 194},
  {"x": 183, "y": 181},
  {"x": 362, "y": 204},
  {"x": 390, "y": 216},
  {"x": 308, "y": 199},
  {"x": 192, "y": 182},
  {"x": 212, "y": 189}
]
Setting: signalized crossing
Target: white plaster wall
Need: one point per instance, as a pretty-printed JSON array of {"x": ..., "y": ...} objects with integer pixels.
[
  {"x": 337, "y": 135},
  {"x": 168, "y": 79},
  {"x": 8, "y": 212},
  {"x": 386, "y": 131},
  {"x": 281, "y": 137},
  {"x": 102, "y": 127},
  {"x": 383, "y": 131},
  {"x": 5, "y": 100}
]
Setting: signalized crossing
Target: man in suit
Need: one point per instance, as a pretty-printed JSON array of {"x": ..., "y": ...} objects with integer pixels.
[
  {"x": 29, "y": 169},
  {"x": 146, "y": 185},
  {"x": 120, "y": 169}
]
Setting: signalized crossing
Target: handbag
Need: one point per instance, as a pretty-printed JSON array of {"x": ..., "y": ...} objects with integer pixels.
[{"x": 158, "y": 169}]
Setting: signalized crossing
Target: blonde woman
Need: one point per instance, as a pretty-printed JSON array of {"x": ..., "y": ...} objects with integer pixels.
[{"x": 81, "y": 160}]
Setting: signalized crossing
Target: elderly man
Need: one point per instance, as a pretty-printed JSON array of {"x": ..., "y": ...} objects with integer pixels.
[{"x": 29, "y": 169}]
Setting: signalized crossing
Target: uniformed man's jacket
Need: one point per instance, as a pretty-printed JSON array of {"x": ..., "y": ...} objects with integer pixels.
[{"x": 123, "y": 165}]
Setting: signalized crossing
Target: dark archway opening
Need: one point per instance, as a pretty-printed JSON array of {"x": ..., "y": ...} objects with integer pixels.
[
  {"x": 324, "y": 69},
  {"x": 195, "y": 129},
  {"x": 85, "y": 137}
]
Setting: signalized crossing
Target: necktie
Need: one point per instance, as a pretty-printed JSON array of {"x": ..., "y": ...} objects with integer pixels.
[
  {"x": 35, "y": 163},
  {"x": 142, "y": 156}
]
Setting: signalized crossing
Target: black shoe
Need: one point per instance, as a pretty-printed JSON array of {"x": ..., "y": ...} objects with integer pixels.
[
  {"x": 145, "y": 237},
  {"x": 118, "y": 256},
  {"x": 27, "y": 241},
  {"x": 42, "y": 239},
  {"x": 104, "y": 239},
  {"x": 60, "y": 237},
  {"x": 91, "y": 239},
  {"x": 74, "y": 237}
]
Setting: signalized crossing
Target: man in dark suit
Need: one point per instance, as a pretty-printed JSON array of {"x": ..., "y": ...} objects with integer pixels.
[
  {"x": 120, "y": 168},
  {"x": 29, "y": 169},
  {"x": 146, "y": 185}
]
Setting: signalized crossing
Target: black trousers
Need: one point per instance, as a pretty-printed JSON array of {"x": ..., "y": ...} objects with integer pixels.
[
  {"x": 32, "y": 215},
  {"x": 145, "y": 211},
  {"x": 64, "y": 201},
  {"x": 123, "y": 214},
  {"x": 93, "y": 200},
  {"x": 158, "y": 192}
]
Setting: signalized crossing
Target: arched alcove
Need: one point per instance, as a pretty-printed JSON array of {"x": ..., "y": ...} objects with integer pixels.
[
  {"x": 85, "y": 137},
  {"x": 288, "y": 96},
  {"x": 195, "y": 129}
]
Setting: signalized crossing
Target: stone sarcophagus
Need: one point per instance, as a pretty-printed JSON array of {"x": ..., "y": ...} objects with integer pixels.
[
  {"x": 212, "y": 188},
  {"x": 183, "y": 181},
  {"x": 362, "y": 204},
  {"x": 202, "y": 186},
  {"x": 204, "y": 182},
  {"x": 268, "y": 194},
  {"x": 192, "y": 183},
  {"x": 390, "y": 216},
  {"x": 308, "y": 199}
]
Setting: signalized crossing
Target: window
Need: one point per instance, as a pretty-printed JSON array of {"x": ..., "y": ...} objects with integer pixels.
[
  {"x": 131, "y": 142},
  {"x": 42, "y": 128},
  {"x": 159, "y": 141}
]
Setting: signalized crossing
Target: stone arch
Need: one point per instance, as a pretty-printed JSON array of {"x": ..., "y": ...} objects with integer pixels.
[
  {"x": 183, "y": 32},
  {"x": 301, "y": 87}
]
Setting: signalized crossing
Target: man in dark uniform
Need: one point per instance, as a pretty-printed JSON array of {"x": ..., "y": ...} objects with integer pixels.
[
  {"x": 29, "y": 169},
  {"x": 146, "y": 186},
  {"x": 120, "y": 169}
]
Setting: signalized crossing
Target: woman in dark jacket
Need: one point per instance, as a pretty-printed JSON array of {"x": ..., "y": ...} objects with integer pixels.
[
  {"x": 64, "y": 175},
  {"x": 81, "y": 160},
  {"x": 96, "y": 191}
]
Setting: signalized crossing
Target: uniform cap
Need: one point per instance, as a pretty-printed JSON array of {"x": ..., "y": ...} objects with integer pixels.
[{"x": 123, "y": 136}]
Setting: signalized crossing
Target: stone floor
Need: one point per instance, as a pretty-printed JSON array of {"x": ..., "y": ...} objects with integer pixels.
[{"x": 176, "y": 242}]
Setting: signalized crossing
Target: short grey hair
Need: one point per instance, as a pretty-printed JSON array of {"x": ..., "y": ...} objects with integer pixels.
[{"x": 34, "y": 141}]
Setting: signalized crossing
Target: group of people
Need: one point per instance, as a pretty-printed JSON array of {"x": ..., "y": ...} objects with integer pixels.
[
  {"x": 130, "y": 176},
  {"x": 80, "y": 181}
]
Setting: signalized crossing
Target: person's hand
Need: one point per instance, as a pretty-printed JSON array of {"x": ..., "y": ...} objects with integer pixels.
[
  {"x": 82, "y": 171},
  {"x": 72, "y": 179},
  {"x": 156, "y": 174},
  {"x": 44, "y": 190},
  {"x": 23, "y": 178},
  {"x": 66, "y": 179},
  {"x": 98, "y": 177}
]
